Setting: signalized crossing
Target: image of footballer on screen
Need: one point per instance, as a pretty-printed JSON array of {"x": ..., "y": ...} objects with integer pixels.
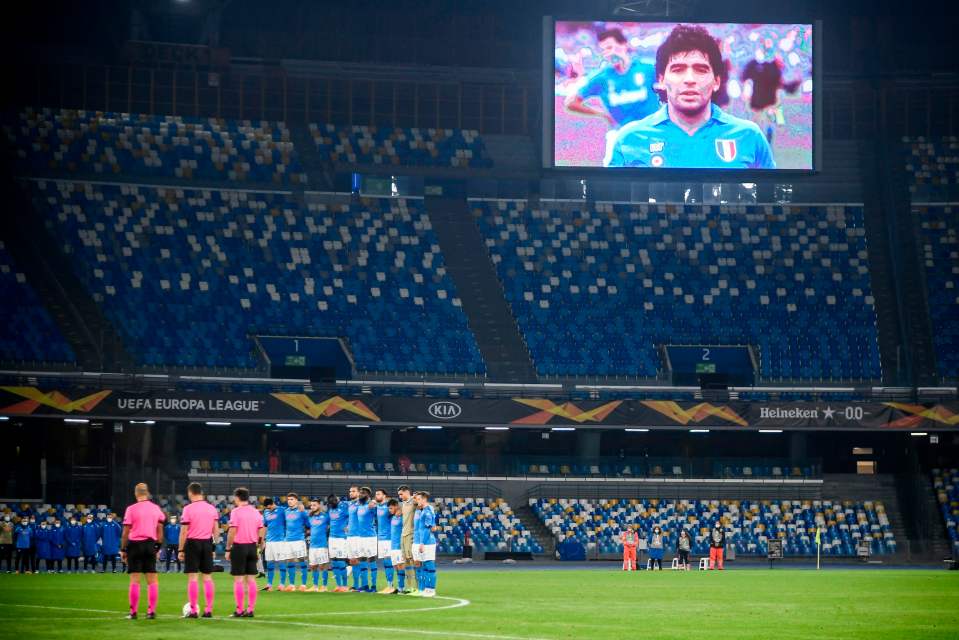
[
  {"x": 752, "y": 77},
  {"x": 690, "y": 130},
  {"x": 622, "y": 87}
]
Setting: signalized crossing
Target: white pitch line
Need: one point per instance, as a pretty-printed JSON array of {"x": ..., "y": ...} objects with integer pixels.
[
  {"x": 311, "y": 625},
  {"x": 72, "y": 618},
  {"x": 457, "y": 603},
  {"x": 393, "y": 630},
  {"x": 43, "y": 606}
]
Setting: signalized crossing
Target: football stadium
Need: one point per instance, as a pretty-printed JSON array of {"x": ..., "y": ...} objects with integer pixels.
[{"x": 492, "y": 320}]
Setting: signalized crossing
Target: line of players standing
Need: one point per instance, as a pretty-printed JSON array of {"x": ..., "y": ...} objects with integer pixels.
[
  {"x": 74, "y": 547},
  {"x": 350, "y": 536}
]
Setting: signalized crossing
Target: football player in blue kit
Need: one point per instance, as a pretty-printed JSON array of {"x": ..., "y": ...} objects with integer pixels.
[
  {"x": 690, "y": 130},
  {"x": 623, "y": 85}
]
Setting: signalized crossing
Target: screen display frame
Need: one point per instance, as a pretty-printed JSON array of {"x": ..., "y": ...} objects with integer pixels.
[{"x": 548, "y": 136}]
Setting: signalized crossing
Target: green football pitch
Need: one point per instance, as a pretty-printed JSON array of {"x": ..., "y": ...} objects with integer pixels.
[{"x": 507, "y": 604}]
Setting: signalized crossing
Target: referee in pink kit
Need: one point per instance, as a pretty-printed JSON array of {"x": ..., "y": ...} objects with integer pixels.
[
  {"x": 199, "y": 529},
  {"x": 243, "y": 544},
  {"x": 139, "y": 546}
]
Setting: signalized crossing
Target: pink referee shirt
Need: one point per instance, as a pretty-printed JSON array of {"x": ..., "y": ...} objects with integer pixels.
[
  {"x": 202, "y": 518},
  {"x": 247, "y": 522},
  {"x": 142, "y": 518}
]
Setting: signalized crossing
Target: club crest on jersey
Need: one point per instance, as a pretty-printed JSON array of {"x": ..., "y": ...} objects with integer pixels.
[
  {"x": 726, "y": 149},
  {"x": 656, "y": 161}
]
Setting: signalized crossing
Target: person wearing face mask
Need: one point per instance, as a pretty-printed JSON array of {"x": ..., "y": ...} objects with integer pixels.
[
  {"x": 57, "y": 546},
  {"x": 42, "y": 540},
  {"x": 71, "y": 545},
  {"x": 171, "y": 535},
  {"x": 34, "y": 557},
  {"x": 23, "y": 540},
  {"x": 683, "y": 546},
  {"x": 717, "y": 543},
  {"x": 110, "y": 534},
  {"x": 90, "y": 539},
  {"x": 656, "y": 549},
  {"x": 6, "y": 543}
]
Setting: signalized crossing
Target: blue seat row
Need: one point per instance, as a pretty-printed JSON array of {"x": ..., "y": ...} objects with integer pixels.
[
  {"x": 396, "y": 146},
  {"x": 27, "y": 331},
  {"x": 127, "y": 144},
  {"x": 939, "y": 246},
  {"x": 187, "y": 276},
  {"x": 749, "y": 525},
  {"x": 596, "y": 289}
]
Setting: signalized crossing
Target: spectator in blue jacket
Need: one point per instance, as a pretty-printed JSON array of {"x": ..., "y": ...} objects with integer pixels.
[
  {"x": 42, "y": 542},
  {"x": 171, "y": 538},
  {"x": 110, "y": 533},
  {"x": 71, "y": 545},
  {"x": 23, "y": 541},
  {"x": 90, "y": 539},
  {"x": 57, "y": 543}
]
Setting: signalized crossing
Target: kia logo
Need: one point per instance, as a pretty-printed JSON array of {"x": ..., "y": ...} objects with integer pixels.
[{"x": 445, "y": 410}]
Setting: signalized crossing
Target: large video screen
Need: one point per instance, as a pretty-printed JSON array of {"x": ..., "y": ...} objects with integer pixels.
[{"x": 664, "y": 95}]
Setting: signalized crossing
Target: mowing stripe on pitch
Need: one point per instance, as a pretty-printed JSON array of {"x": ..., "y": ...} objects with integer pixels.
[
  {"x": 315, "y": 625},
  {"x": 393, "y": 630}
]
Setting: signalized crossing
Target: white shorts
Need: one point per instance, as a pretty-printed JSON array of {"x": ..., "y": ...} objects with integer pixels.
[
  {"x": 296, "y": 549},
  {"x": 611, "y": 137},
  {"x": 396, "y": 557},
  {"x": 338, "y": 548},
  {"x": 275, "y": 551},
  {"x": 319, "y": 555},
  {"x": 383, "y": 549},
  {"x": 428, "y": 554},
  {"x": 366, "y": 547},
  {"x": 351, "y": 547}
]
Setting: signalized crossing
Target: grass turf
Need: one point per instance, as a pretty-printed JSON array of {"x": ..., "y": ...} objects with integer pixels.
[{"x": 504, "y": 604}]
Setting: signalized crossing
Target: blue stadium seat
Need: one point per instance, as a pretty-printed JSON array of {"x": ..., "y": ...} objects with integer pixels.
[
  {"x": 155, "y": 146},
  {"x": 401, "y": 146},
  {"x": 946, "y": 484},
  {"x": 27, "y": 331},
  {"x": 939, "y": 246},
  {"x": 595, "y": 290},
  {"x": 749, "y": 524},
  {"x": 187, "y": 275}
]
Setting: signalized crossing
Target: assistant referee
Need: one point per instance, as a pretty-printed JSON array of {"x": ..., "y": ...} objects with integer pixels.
[{"x": 139, "y": 545}]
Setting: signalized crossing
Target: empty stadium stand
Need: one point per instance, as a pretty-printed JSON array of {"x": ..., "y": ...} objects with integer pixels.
[
  {"x": 188, "y": 275},
  {"x": 933, "y": 168},
  {"x": 28, "y": 334},
  {"x": 520, "y": 466},
  {"x": 50, "y": 511},
  {"x": 395, "y": 146},
  {"x": 596, "y": 289},
  {"x": 597, "y": 524},
  {"x": 938, "y": 228},
  {"x": 946, "y": 484},
  {"x": 111, "y": 144}
]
